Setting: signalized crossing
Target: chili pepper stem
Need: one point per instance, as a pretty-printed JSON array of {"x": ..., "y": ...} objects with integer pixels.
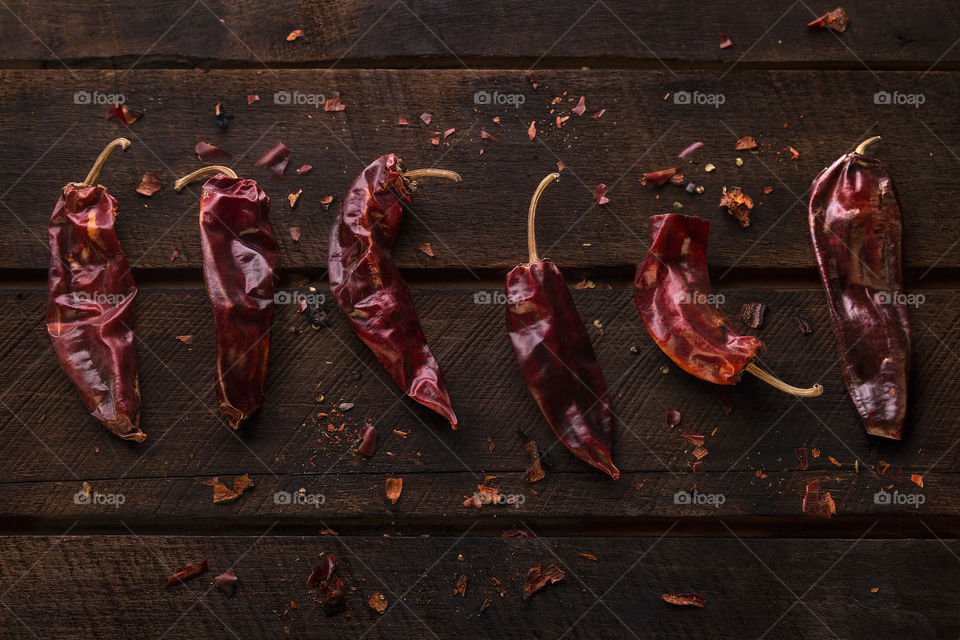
[
  {"x": 416, "y": 174},
  {"x": 94, "y": 174},
  {"x": 866, "y": 143},
  {"x": 201, "y": 172},
  {"x": 532, "y": 213},
  {"x": 776, "y": 383}
]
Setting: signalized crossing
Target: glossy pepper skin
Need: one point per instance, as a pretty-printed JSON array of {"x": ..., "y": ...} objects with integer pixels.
[
  {"x": 855, "y": 224},
  {"x": 673, "y": 293},
  {"x": 369, "y": 289},
  {"x": 240, "y": 260},
  {"x": 558, "y": 363},
  {"x": 90, "y": 307}
]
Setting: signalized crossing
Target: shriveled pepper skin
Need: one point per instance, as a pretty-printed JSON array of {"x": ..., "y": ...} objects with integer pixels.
[
  {"x": 90, "y": 307},
  {"x": 673, "y": 293},
  {"x": 855, "y": 223},
  {"x": 558, "y": 363},
  {"x": 240, "y": 260},
  {"x": 371, "y": 292}
]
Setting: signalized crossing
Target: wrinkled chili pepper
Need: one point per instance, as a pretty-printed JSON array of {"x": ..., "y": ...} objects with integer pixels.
[
  {"x": 90, "y": 302},
  {"x": 368, "y": 286},
  {"x": 856, "y": 227},
  {"x": 240, "y": 261},
  {"x": 673, "y": 293},
  {"x": 555, "y": 356}
]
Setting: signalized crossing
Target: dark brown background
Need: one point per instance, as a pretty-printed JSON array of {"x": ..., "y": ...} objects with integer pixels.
[{"x": 767, "y": 570}]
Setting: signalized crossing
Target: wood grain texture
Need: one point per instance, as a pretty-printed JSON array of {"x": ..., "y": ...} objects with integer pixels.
[
  {"x": 50, "y": 443},
  {"x": 425, "y": 32},
  {"x": 480, "y": 223},
  {"x": 110, "y": 587}
]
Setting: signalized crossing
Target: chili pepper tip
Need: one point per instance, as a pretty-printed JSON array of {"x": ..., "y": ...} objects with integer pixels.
[
  {"x": 866, "y": 143},
  {"x": 94, "y": 174},
  {"x": 199, "y": 173},
  {"x": 776, "y": 383},
  {"x": 532, "y": 213}
]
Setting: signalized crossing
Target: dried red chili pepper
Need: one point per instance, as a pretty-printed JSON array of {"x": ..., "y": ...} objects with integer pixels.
[
  {"x": 673, "y": 293},
  {"x": 855, "y": 223},
  {"x": 90, "y": 302},
  {"x": 555, "y": 356},
  {"x": 368, "y": 286},
  {"x": 240, "y": 260}
]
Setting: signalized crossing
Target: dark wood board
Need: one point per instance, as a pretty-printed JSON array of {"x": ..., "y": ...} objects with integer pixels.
[
  {"x": 429, "y": 33},
  {"x": 480, "y": 223},
  {"x": 109, "y": 587},
  {"x": 51, "y": 444}
]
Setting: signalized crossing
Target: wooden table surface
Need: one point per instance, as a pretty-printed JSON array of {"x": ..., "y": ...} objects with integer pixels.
[{"x": 70, "y": 569}]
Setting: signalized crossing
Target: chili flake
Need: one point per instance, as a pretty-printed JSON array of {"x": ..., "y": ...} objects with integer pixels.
[
  {"x": 394, "y": 487},
  {"x": 738, "y": 205},
  {"x": 537, "y": 579},
  {"x": 746, "y": 142},
  {"x": 685, "y": 599},
  {"x": 149, "y": 184}
]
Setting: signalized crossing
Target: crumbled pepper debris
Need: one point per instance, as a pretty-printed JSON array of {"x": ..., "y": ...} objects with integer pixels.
[
  {"x": 293, "y": 197},
  {"x": 149, "y": 184},
  {"x": 426, "y": 118},
  {"x": 123, "y": 113},
  {"x": 304, "y": 170},
  {"x": 223, "y": 493},
  {"x": 394, "y": 487},
  {"x": 580, "y": 108},
  {"x": 803, "y": 323},
  {"x": 334, "y": 104},
  {"x": 487, "y": 136},
  {"x": 816, "y": 504},
  {"x": 738, "y": 204},
  {"x": 378, "y": 603},
  {"x": 275, "y": 160},
  {"x": 659, "y": 177},
  {"x": 206, "y": 151},
  {"x": 532, "y": 130},
  {"x": 426, "y": 249},
  {"x": 293, "y": 35},
  {"x": 537, "y": 579},
  {"x": 588, "y": 556},
  {"x": 227, "y": 583},
  {"x": 746, "y": 142},
  {"x": 836, "y": 20},
  {"x": 461, "y": 588},
  {"x": 295, "y": 233},
  {"x": 685, "y": 599},
  {"x": 673, "y": 418},
  {"x": 520, "y": 532},
  {"x": 725, "y": 41},
  {"x": 484, "y": 495},
  {"x": 802, "y": 457},
  {"x": 916, "y": 479},
  {"x": 535, "y": 471},
  {"x": 599, "y": 114},
  {"x": 600, "y": 194}
]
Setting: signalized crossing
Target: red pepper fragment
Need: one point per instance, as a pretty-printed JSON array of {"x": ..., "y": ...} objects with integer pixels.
[
  {"x": 685, "y": 599},
  {"x": 223, "y": 493},
  {"x": 394, "y": 488},
  {"x": 673, "y": 418},
  {"x": 817, "y": 504},
  {"x": 836, "y": 20},
  {"x": 802, "y": 457},
  {"x": 207, "y": 151},
  {"x": 189, "y": 572},
  {"x": 532, "y": 131},
  {"x": 533, "y": 80},
  {"x": 894, "y": 471},
  {"x": 227, "y": 583},
  {"x": 752, "y": 314},
  {"x": 555, "y": 355},
  {"x": 486, "y": 136},
  {"x": 449, "y": 132},
  {"x": 537, "y": 579},
  {"x": 484, "y": 495},
  {"x": 856, "y": 226},
  {"x": 90, "y": 302},
  {"x": 304, "y": 170},
  {"x": 334, "y": 104},
  {"x": 461, "y": 588},
  {"x": 149, "y": 184},
  {"x": 803, "y": 323},
  {"x": 368, "y": 286},
  {"x": 293, "y": 35},
  {"x": 794, "y": 154},
  {"x": 240, "y": 262},
  {"x": 694, "y": 438},
  {"x": 580, "y": 108},
  {"x": 426, "y": 117},
  {"x": 738, "y": 205},
  {"x": 326, "y": 201},
  {"x": 368, "y": 436},
  {"x": 519, "y": 532},
  {"x": 378, "y": 602},
  {"x": 599, "y": 114},
  {"x": 600, "y": 194},
  {"x": 725, "y": 41},
  {"x": 275, "y": 160},
  {"x": 535, "y": 471},
  {"x": 251, "y": 98},
  {"x": 658, "y": 178},
  {"x": 690, "y": 149},
  {"x": 292, "y": 199},
  {"x": 295, "y": 233},
  {"x": 699, "y": 467},
  {"x": 123, "y": 114},
  {"x": 746, "y": 142},
  {"x": 426, "y": 248},
  {"x": 323, "y": 571}
]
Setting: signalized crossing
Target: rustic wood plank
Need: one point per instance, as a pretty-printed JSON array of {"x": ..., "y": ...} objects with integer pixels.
[
  {"x": 110, "y": 587},
  {"x": 50, "y": 444},
  {"x": 416, "y": 32},
  {"x": 480, "y": 223}
]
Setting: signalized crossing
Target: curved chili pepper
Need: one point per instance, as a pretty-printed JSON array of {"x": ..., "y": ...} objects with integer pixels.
[
  {"x": 368, "y": 286},
  {"x": 240, "y": 261},
  {"x": 90, "y": 302},
  {"x": 555, "y": 356},
  {"x": 673, "y": 293},
  {"x": 855, "y": 224}
]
